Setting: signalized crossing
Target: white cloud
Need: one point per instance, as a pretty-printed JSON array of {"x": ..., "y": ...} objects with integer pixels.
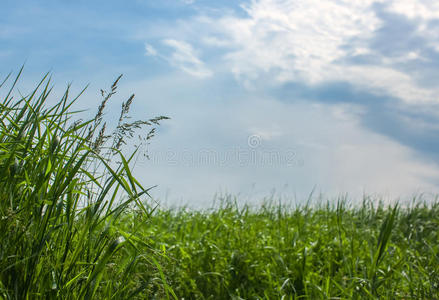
[
  {"x": 182, "y": 56},
  {"x": 416, "y": 9},
  {"x": 297, "y": 39},
  {"x": 150, "y": 50},
  {"x": 306, "y": 40},
  {"x": 185, "y": 58}
]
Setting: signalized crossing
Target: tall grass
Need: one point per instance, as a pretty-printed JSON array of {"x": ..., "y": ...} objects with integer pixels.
[{"x": 60, "y": 203}]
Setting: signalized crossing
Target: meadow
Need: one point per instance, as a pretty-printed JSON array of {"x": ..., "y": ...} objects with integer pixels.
[{"x": 76, "y": 224}]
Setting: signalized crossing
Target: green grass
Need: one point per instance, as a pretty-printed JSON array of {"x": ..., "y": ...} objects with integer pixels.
[
  {"x": 320, "y": 252},
  {"x": 76, "y": 224}
]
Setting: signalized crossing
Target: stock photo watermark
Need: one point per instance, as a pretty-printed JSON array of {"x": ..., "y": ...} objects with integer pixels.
[{"x": 251, "y": 155}]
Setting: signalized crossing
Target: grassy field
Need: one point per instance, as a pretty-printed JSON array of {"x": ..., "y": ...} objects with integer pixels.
[
  {"x": 75, "y": 224},
  {"x": 323, "y": 252}
]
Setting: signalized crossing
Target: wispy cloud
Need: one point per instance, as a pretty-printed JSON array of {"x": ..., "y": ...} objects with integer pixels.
[
  {"x": 150, "y": 50},
  {"x": 185, "y": 58},
  {"x": 182, "y": 56}
]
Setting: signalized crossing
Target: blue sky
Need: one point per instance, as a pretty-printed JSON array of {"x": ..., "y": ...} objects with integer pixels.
[{"x": 264, "y": 95}]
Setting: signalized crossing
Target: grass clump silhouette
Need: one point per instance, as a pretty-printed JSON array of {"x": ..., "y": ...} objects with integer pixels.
[{"x": 61, "y": 200}]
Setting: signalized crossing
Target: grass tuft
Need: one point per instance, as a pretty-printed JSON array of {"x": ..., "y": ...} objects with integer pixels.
[{"x": 60, "y": 202}]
